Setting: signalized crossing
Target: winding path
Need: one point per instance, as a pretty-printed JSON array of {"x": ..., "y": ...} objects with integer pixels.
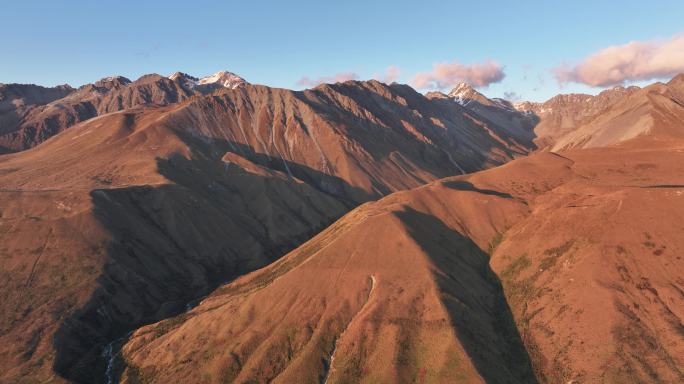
[{"x": 332, "y": 355}]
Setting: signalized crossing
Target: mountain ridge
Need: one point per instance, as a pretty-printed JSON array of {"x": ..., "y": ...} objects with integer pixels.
[
  {"x": 32, "y": 124},
  {"x": 125, "y": 220}
]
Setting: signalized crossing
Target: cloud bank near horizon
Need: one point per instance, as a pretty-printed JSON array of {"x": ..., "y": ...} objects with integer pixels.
[
  {"x": 634, "y": 61},
  {"x": 390, "y": 75},
  {"x": 640, "y": 60},
  {"x": 442, "y": 76},
  {"x": 339, "y": 77}
]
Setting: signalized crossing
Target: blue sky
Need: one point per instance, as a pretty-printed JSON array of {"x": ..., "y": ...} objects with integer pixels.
[{"x": 278, "y": 42}]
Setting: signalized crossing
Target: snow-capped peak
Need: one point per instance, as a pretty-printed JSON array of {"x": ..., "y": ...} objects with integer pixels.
[
  {"x": 182, "y": 75},
  {"x": 219, "y": 79},
  {"x": 184, "y": 79},
  {"x": 461, "y": 88},
  {"x": 112, "y": 81},
  {"x": 464, "y": 93},
  {"x": 223, "y": 78}
]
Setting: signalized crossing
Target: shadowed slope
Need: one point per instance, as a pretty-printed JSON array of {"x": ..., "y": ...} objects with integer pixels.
[
  {"x": 378, "y": 138},
  {"x": 477, "y": 307},
  {"x": 143, "y": 252}
]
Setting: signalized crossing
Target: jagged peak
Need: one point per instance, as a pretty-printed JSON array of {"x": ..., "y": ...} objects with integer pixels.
[
  {"x": 461, "y": 88},
  {"x": 182, "y": 75},
  {"x": 112, "y": 81},
  {"x": 464, "y": 93}
]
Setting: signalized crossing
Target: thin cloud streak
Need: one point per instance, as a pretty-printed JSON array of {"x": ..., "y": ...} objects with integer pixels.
[
  {"x": 336, "y": 78},
  {"x": 391, "y": 75},
  {"x": 634, "y": 61}
]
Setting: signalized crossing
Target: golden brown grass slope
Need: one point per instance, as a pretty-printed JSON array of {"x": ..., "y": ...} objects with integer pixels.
[{"x": 555, "y": 268}]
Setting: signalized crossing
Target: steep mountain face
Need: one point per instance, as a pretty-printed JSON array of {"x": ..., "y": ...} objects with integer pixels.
[
  {"x": 656, "y": 111},
  {"x": 566, "y": 112},
  {"x": 123, "y": 219},
  {"x": 26, "y": 127},
  {"x": 554, "y": 268},
  {"x": 496, "y": 112},
  {"x": 16, "y": 100},
  {"x": 378, "y": 138}
]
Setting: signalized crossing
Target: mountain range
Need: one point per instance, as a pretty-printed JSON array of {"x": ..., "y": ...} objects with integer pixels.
[{"x": 184, "y": 229}]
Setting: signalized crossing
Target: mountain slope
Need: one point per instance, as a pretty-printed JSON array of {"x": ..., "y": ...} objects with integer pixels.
[
  {"x": 567, "y": 112},
  {"x": 156, "y": 228},
  {"x": 17, "y": 100},
  {"x": 379, "y": 138},
  {"x": 585, "y": 285},
  {"x": 370, "y": 298},
  {"x": 583, "y": 121},
  {"x": 121, "y": 220},
  {"x": 656, "y": 111},
  {"x": 546, "y": 122},
  {"x": 498, "y": 113}
]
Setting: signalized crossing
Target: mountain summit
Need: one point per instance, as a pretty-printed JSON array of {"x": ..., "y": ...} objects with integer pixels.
[{"x": 464, "y": 93}]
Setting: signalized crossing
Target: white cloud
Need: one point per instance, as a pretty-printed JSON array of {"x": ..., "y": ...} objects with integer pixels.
[
  {"x": 448, "y": 75},
  {"x": 637, "y": 60},
  {"x": 391, "y": 75},
  {"x": 336, "y": 78}
]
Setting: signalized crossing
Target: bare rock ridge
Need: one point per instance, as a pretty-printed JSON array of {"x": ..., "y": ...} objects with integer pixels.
[
  {"x": 122, "y": 219},
  {"x": 29, "y": 121}
]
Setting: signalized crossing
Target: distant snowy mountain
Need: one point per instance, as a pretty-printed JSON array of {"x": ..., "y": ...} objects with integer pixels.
[{"x": 223, "y": 79}]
